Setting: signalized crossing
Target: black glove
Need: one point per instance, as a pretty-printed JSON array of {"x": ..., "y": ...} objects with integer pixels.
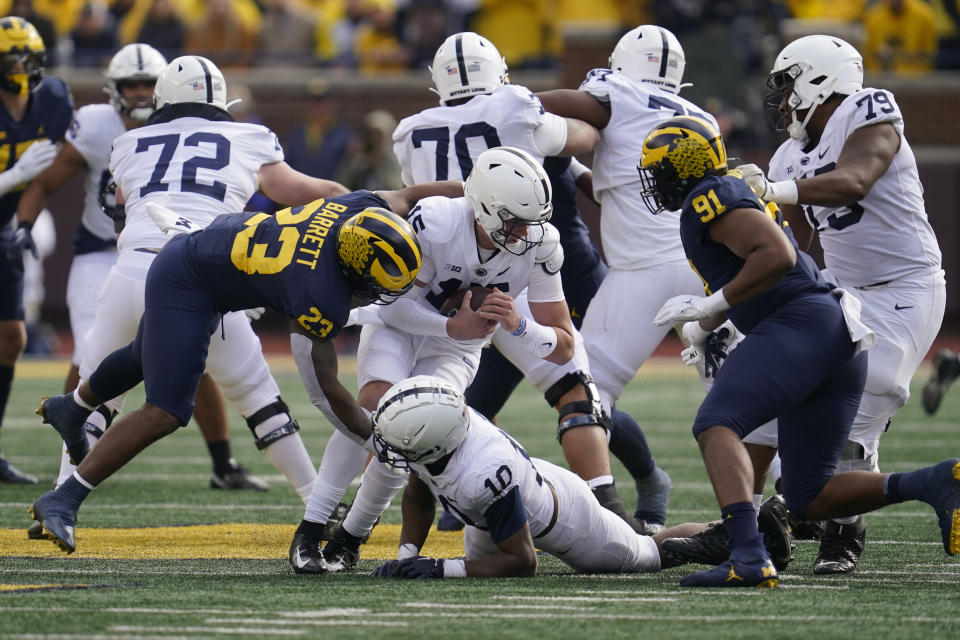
[
  {"x": 419, "y": 568},
  {"x": 715, "y": 351},
  {"x": 22, "y": 241}
]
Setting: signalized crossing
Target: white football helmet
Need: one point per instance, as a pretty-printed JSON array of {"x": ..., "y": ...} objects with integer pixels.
[
  {"x": 420, "y": 419},
  {"x": 650, "y": 54},
  {"x": 508, "y": 187},
  {"x": 134, "y": 62},
  {"x": 191, "y": 79},
  {"x": 465, "y": 65},
  {"x": 812, "y": 69}
]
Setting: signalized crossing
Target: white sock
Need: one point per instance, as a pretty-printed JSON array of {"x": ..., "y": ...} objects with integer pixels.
[
  {"x": 67, "y": 468},
  {"x": 847, "y": 520},
  {"x": 757, "y": 501},
  {"x": 80, "y": 401},
  {"x": 289, "y": 455},
  {"x": 775, "y": 471},
  {"x": 600, "y": 481},
  {"x": 343, "y": 460},
  {"x": 377, "y": 490}
]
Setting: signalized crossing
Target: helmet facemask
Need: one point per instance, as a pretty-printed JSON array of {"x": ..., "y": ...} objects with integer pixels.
[{"x": 22, "y": 56}]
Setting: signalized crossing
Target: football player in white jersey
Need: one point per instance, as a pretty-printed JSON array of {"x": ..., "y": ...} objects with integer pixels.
[
  {"x": 848, "y": 173},
  {"x": 512, "y": 504},
  {"x": 194, "y": 157},
  {"x": 495, "y": 237},
  {"x": 478, "y": 110},
  {"x": 130, "y": 80}
]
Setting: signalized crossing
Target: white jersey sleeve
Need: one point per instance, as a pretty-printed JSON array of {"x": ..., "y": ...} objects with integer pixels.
[
  {"x": 196, "y": 167},
  {"x": 632, "y": 237},
  {"x": 91, "y": 133},
  {"x": 441, "y": 143},
  {"x": 886, "y": 235},
  {"x": 544, "y": 286}
]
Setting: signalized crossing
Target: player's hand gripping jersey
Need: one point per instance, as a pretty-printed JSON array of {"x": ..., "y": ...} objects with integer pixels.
[
  {"x": 172, "y": 160},
  {"x": 892, "y": 215},
  {"x": 717, "y": 265}
]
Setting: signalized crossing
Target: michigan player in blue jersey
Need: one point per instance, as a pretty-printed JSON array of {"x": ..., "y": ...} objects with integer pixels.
[
  {"x": 311, "y": 263},
  {"x": 34, "y": 113},
  {"x": 801, "y": 361}
]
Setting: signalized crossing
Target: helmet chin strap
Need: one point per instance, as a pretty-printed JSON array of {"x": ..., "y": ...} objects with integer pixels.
[{"x": 798, "y": 130}]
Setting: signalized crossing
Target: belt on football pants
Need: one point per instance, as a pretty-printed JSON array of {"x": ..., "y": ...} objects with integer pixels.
[
  {"x": 556, "y": 509},
  {"x": 145, "y": 250}
]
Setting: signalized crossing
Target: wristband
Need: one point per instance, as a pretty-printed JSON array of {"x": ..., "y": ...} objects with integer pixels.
[
  {"x": 454, "y": 568},
  {"x": 716, "y": 303},
  {"x": 784, "y": 192},
  {"x": 407, "y": 550},
  {"x": 536, "y": 338},
  {"x": 577, "y": 169},
  {"x": 521, "y": 328}
]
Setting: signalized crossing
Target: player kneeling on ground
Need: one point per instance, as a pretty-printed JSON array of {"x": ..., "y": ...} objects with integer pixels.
[{"x": 512, "y": 504}]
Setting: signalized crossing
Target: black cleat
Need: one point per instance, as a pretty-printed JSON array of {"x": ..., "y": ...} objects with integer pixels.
[
  {"x": 9, "y": 474},
  {"x": 35, "y": 531},
  {"x": 343, "y": 551},
  {"x": 333, "y": 522},
  {"x": 68, "y": 418},
  {"x": 609, "y": 499},
  {"x": 653, "y": 495},
  {"x": 305, "y": 553},
  {"x": 946, "y": 369},
  {"x": 840, "y": 547},
  {"x": 712, "y": 546},
  {"x": 58, "y": 520},
  {"x": 237, "y": 479}
]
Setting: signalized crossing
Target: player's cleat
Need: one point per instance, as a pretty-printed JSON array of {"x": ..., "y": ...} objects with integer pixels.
[
  {"x": 653, "y": 494},
  {"x": 840, "y": 547},
  {"x": 946, "y": 369},
  {"x": 712, "y": 546},
  {"x": 305, "y": 554},
  {"x": 645, "y": 528},
  {"x": 333, "y": 522},
  {"x": 35, "y": 531},
  {"x": 448, "y": 522},
  {"x": 806, "y": 529},
  {"x": 9, "y": 474},
  {"x": 742, "y": 569},
  {"x": 68, "y": 418},
  {"x": 57, "y": 520},
  {"x": 237, "y": 479},
  {"x": 944, "y": 497},
  {"x": 342, "y": 552}
]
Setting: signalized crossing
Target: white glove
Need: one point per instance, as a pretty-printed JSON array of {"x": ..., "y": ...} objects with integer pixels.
[
  {"x": 169, "y": 222},
  {"x": 35, "y": 159},
  {"x": 696, "y": 337},
  {"x": 686, "y": 308},
  {"x": 254, "y": 314},
  {"x": 784, "y": 192}
]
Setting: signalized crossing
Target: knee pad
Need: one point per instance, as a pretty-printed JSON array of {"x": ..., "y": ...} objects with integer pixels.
[
  {"x": 591, "y": 408},
  {"x": 279, "y": 407}
]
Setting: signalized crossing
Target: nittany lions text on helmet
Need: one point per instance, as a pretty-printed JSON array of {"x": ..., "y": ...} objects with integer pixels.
[
  {"x": 465, "y": 65},
  {"x": 379, "y": 255},
  {"x": 133, "y": 63},
  {"x": 807, "y": 72},
  {"x": 676, "y": 155},
  {"x": 508, "y": 189},
  {"x": 21, "y": 56},
  {"x": 191, "y": 79},
  {"x": 420, "y": 419},
  {"x": 650, "y": 54}
]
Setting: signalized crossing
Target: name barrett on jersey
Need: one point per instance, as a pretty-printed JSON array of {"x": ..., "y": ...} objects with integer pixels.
[
  {"x": 287, "y": 262},
  {"x": 717, "y": 265}
]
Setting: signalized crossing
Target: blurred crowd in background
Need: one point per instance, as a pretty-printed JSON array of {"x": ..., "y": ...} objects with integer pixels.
[{"x": 380, "y": 36}]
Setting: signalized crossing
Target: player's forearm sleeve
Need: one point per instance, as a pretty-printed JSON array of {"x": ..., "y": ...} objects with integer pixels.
[
  {"x": 407, "y": 314},
  {"x": 302, "y": 348}
]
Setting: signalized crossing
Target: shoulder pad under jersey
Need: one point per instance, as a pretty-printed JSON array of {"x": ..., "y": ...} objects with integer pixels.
[{"x": 549, "y": 252}]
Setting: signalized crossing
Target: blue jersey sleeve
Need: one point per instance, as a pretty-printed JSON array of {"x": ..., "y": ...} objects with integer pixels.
[
  {"x": 57, "y": 102},
  {"x": 506, "y": 516}
]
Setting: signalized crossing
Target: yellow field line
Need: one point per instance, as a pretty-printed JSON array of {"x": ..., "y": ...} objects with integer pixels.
[{"x": 250, "y": 541}]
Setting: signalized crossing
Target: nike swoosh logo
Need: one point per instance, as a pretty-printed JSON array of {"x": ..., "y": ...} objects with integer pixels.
[
  {"x": 546, "y": 344},
  {"x": 899, "y": 308},
  {"x": 300, "y": 562},
  {"x": 823, "y": 153},
  {"x": 504, "y": 271}
]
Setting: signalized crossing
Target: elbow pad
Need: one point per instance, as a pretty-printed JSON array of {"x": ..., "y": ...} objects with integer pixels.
[{"x": 549, "y": 251}]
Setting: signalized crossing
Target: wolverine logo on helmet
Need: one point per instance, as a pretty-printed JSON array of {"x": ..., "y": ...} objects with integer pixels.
[{"x": 379, "y": 255}]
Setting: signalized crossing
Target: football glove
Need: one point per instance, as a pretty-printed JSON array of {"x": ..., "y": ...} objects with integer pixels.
[
  {"x": 35, "y": 159},
  {"x": 716, "y": 347},
  {"x": 688, "y": 307},
  {"x": 255, "y": 313},
  {"x": 784, "y": 192},
  {"x": 418, "y": 568},
  {"x": 22, "y": 241}
]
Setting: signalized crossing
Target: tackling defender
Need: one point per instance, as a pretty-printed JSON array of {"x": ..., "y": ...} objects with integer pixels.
[
  {"x": 34, "y": 114},
  {"x": 848, "y": 173},
  {"x": 801, "y": 360}
]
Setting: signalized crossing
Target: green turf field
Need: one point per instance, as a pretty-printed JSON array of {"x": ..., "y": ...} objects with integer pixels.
[{"x": 234, "y": 581}]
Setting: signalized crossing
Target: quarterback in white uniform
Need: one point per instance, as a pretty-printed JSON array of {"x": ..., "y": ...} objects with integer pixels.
[
  {"x": 479, "y": 110},
  {"x": 130, "y": 80},
  {"x": 495, "y": 237},
  {"x": 511, "y": 503},
  {"x": 193, "y": 157},
  {"x": 848, "y": 173},
  {"x": 642, "y": 250}
]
